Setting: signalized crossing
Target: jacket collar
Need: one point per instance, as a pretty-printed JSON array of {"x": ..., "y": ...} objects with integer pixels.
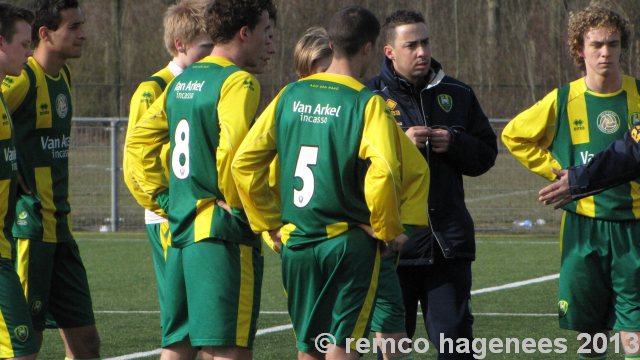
[{"x": 395, "y": 82}]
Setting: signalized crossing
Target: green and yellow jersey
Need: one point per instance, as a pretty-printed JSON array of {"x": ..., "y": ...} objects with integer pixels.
[
  {"x": 568, "y": 127},
  {"x": 144, "y": 96},
  {"x": 41, "y": 110},
  {"x": 8, "y": 172},
  {"x": 204, "y": 114},
  {"x": 339, "y": 158}
]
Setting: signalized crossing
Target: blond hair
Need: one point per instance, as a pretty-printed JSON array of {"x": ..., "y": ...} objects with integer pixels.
[
  {"x": 593, "y": 17},
  {"x": 184, "y": 21},
  {"x": 312, "y": 47}
]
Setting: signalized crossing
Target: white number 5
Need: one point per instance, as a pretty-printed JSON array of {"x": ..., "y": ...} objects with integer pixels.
[{"x": 307, "y": 157}]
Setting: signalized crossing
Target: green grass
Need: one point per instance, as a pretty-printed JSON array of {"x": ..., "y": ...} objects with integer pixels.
[{"x": 121, "y": 278}]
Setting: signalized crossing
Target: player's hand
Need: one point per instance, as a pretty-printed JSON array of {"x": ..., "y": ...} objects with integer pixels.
[
  {"x": 23, "y": 185},
  {"x": 225, "y": 206},
  {"x": 440, "y": 140},
  {"x": 276, "y": 237},
  {"x": 557, "y": 193},
  {"x": 419, "y": 135},
  {"x": 394, "y": 245}
]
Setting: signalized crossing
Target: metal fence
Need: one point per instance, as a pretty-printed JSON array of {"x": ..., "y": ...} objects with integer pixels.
[{"x": 502, "y": 200}]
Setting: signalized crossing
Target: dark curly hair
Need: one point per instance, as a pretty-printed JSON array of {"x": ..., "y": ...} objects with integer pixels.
[{"x": 224, "y": 18}]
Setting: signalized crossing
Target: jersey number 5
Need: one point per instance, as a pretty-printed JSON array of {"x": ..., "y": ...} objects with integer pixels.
[
  {"x": 181, "y": 150},
  {"x": 307, "y": 158}
]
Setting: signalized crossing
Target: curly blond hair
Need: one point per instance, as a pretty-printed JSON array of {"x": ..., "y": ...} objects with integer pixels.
[{"x": 595, "y": 16}]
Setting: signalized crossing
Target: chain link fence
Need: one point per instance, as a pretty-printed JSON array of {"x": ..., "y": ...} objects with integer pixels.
[{"x": 502, "y": 200}]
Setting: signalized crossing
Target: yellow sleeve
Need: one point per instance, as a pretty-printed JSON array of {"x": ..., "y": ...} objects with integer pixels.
[
  {"x": 15, "y": 89},
  {"x": 382, "y": 184},
  {"x": 251, "y": 172},
  {"x": 143, "y": 149},
  {"x": 239, "y": 99},
  {"x": 144, "y": 96},
  {"x": 415, "y": 183},
  {"x": 529, "y": 135}
]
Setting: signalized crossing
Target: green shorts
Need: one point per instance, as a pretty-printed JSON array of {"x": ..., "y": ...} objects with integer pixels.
[
  {"x": 331, "y": 287},
  {"x": 212, "y": 294},
  {"x": 388, "y": 313},
  {"x": 159, "y": 238},
  {"x": 599, "y": 274},
  {"x": 55, "y": 283},
  {"x": 17, "y": 337}
]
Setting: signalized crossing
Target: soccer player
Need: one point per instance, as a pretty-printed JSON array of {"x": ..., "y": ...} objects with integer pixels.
[
  {"x": 327, "y": 191},
  {"x": 48, "y": 261},
  {"x": 312, "y": 53},
  {"x": 214, "y": 266},
  {"x": 187, "y": 41},
  {"x": 17, "y": 337},
  {"x": 599, "y": 273},
  {"x": 444, "y": 120}
]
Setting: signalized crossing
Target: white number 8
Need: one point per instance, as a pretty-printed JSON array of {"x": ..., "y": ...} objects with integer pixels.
[
  {"x": 307, "y": 157},
  {"x": 181, "y": 147}
]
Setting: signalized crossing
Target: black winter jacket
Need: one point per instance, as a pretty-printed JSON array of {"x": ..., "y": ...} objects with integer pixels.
[{"x": 448, "y": 103}]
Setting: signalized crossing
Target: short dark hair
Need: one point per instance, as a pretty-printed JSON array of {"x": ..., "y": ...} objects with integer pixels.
[
  {"x": 48, "y": 15},
  {"x": 351, "y": 28},
  {"x": 9, "y": 16},
  {"x": 400, "y": 17},
  {"x": 224, "y": 18}
]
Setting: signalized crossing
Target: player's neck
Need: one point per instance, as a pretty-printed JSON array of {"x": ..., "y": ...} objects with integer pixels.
[
  {"x": 603, "y": 84},
  {"x": 49, "y": 61},
  {"x": 347, "y": 67}
]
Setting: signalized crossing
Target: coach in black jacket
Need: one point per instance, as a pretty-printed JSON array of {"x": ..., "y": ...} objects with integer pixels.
[{"x": 442, "y": 116}]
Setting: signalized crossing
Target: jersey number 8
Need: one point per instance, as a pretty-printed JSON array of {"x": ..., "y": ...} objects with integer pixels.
[{"x": 181, "y": 150}]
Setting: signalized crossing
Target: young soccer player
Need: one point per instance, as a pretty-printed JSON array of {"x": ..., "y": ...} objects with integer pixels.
[
  {"x": 330, "y": 266},
  {"x": 187, "y": 41},
  {"x": 599, "y": 273},
  {"x": 214, "y": 265},
  {"x": 48, "y": 261},
  {"x": 17, "y": 337}
]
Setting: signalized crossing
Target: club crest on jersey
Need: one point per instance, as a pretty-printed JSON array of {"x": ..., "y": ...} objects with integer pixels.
[
  {"x": 608, "y": 122},
  {"x": 62, "y": 106},
  {"x": 563, "y": 307},
  {"x": 445, "y": 101},
  {"x": 22, "y": 333}
]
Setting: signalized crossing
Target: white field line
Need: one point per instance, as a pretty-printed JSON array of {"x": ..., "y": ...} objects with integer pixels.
[
  {"x": 279, "y": 328},
  {"x": 492, "y": 197}
]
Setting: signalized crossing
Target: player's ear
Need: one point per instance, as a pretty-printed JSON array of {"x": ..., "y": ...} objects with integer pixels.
[
  {"x": 43, "y": 33},
  {"x": 244, "y": 33},
  {"x": 180, "y": 46},
  {"x": 388, "y": 52}
]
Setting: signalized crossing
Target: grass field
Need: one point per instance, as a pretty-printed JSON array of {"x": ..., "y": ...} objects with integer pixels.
[{"x": 124, "y": 295}]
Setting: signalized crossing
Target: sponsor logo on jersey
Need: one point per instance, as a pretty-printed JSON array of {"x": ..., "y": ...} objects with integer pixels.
[
  {"x": 22, "y": 333},
  {"x": 634, "y": 118},
  {"x": 563, "y": 307},
  {"x": 62, "y": 106},
  {"x": 185, "y": 91},
  {"x": 7, "y": 82},
  {"x": 22, "y": 218},
  {"x": 608, "y": 122},
  {"x": 445, "y": 101},
  {"x": 318, "y": 114},
  {"x": 578, "y": 124},
  {"x": 392, "y": 108},
  {"x": 635, "y": 133},
  {"x": 44, "y": 109},
  {"x": 146, "y": 98}
]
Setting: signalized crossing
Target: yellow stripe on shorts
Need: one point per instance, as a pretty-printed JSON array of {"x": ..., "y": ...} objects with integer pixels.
[
  {"x": 23, "y": 264},
  {"x": 245, "y": 301},
  {"x": 6, "y": 348},
  {"x": 365, "y": 313}
]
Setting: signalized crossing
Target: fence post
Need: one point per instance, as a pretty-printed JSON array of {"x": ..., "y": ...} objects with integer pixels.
[{"x": 114, "y": 174}]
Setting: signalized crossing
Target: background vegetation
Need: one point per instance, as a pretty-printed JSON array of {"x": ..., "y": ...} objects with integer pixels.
[{"x": 510, "y": 51}]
